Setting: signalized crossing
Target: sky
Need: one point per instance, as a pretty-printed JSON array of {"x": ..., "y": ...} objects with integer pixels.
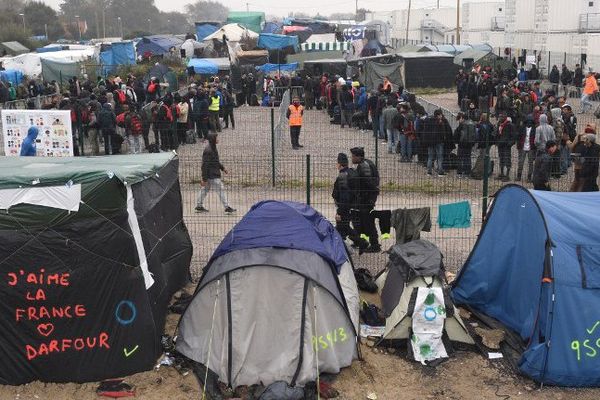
[{"x": 283, "y": 8}]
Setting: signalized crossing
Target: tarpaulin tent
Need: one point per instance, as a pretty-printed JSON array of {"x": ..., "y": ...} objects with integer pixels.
[
  {"x": 232, "y": 32},
  {"x": 272, "y": 41},
  {"x": 536, "y": 268},
  {"x": 315, "y": 25},
  {"x": 301, "y": 32},
  {"x": 30, "y": 64},
  {"x": 252, "y": 20},
  {"x": 373, "y": 73},
  {"x": 266, "y": 68},
  {"x": 158, "y": 44},
  {"x": 325, "y": 46},
  {"x": 263, "y": 336},
  {"x": 92, "y": 250},
  {"x": 189, "y": 47},
  {"x": 59, "y": 71},
  {"x": 203, "y": 29},
  {"x": 272, "y": 27},
  {"x": 11, "y": 75},
  {"x": 123, "y": 53},
  {"x": 209, "y": 66}
]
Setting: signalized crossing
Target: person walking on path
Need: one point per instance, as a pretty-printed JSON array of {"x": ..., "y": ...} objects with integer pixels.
[
  {"x": 589, "y": 89},
  {"x": 211, "y": 175},
  {"x": 214, "y": 105},
  {"x": 542, "y": 167},
  {"x": 294, "y": 114}
]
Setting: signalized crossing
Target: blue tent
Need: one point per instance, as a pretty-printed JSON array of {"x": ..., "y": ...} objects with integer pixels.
[
  {"x": 11, "y": 75},
  {"x": 203, "y": 66},
  {"x": 272, "y": 41},
  {"x": 285, "y": 224},
  {"x": 123, "y": 53},
  {"x": 158, "y": 44},
  {"x": 266, "y": 68},
  {"x": 536, "y": 269},
  {"x": 204, "y": 29},
  {"x": 272, "y": 27}
]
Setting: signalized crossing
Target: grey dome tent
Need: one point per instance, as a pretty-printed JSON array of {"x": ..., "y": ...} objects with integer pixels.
[
  {"x": 277, "y": 295},
  {"x": 413, "y": 265}
]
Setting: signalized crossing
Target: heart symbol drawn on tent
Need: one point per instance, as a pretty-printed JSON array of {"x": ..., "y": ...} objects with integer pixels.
[{"x": 45, "y": 329}]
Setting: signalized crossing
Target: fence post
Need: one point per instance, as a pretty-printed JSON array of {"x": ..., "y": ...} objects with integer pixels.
[
  {"x": 377, "y": 148},
  {"x": 308, "y": 179},
  {"x": 273, "y": 146},
  {"x": 486, "y": 172}
]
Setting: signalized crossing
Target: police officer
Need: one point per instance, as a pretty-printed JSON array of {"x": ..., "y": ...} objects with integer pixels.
[
  {"x": 344, "y": 195},
  {"x": 367, "y": 183}
]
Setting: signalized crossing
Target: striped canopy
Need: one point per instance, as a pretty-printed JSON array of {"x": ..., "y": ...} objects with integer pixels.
[{"x": 326, "y": 46}]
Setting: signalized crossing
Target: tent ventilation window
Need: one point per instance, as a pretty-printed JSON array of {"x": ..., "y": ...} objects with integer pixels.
[{"x": 589, "y": 263}]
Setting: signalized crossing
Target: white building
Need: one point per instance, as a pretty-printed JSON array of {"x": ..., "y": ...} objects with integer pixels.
[{"x": 483, "y": 23}]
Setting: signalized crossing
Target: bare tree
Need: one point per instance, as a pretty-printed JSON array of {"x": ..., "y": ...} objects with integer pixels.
[{"x": 207, "y": 10}]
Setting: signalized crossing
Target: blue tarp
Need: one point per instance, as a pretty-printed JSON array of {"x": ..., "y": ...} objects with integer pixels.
[
  {"x": 48, "y": 49},
  {"x": 158, "y": 44},
  {"x": 203, "y": 66},
  {"x": 272, "y": 27},
  {"x": 272, "y": 41},
  {"x": 266, "y": 68},
  {"x": 106, "y": 61},
  {"x": 204, "y": 29},
  {"x": 549, "y": 295},
  {"x": 123, "y": 53},
  {"x": 287, "y": 225},
  {"x": 11, "y": 75}
]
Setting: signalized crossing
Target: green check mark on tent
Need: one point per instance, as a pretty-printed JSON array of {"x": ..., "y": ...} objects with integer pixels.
[
  {"x": 590, "y": 331},
  {"x": 128, "y": 353}
]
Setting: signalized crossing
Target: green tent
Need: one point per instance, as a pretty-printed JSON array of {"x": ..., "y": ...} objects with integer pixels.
[
  {"x": 101, "y": 243},
  {"x": 60, "y": 71},
  {"x": 249, "y": 19}
]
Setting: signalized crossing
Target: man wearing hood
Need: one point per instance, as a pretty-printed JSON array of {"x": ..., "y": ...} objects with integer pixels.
[
  {"x": 562, "y": 137},
  {"x": 589, "y": 170},
  {"x": 28, "y": 147},
  {"x": 504, "y": 135},
  {"x": 526, "y": 148},
  {"x": 543, "y": 133},
  {"x": 107, "y": 122}
]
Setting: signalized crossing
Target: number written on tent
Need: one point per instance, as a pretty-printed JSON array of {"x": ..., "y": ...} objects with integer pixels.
[{"x": 330, "y": 339}]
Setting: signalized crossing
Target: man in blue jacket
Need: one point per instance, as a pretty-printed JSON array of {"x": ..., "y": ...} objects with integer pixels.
[{"x": 28, "y": 146}]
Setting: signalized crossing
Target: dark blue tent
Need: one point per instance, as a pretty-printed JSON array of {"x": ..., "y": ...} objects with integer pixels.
[
  {"x": 285, "y": 224},
  {"x": 272, "y": 27},
  {"x": 158, "y": 44},
  {"x": 536, "y": 269},
  {"x": 266, "y": 68},
  {"x": 272, "y": 41},
  {"x": 204, "y": 29}
]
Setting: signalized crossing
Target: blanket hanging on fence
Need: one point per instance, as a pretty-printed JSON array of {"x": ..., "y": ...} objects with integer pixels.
[
  {"x": 455, "y": 215},
  {"x": 409, "y": 223}
]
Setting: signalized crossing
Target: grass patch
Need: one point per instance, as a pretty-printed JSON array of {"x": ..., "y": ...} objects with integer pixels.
[
  {"x": 427, "y": 188},
  {"x": 428, "y": 91}
]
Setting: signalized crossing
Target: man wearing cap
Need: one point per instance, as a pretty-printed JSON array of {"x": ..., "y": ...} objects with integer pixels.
[
  {"x": 367, "y": 190},
  {"x": 294, "y": 114},
  {"x": 542, "y": 167},
  {"x": 590, "y": 88},
  {"x": 344, "y": 195}
]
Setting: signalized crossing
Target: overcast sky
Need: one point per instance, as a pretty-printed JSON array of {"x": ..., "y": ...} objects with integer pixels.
[{"x": 282, "y": 8}]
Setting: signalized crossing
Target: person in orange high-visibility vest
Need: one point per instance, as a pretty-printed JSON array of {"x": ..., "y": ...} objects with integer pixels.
[{"x": 294, "y": 114}]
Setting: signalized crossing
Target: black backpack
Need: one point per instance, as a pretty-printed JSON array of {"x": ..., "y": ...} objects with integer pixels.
[{"x": 468, "y": 133}]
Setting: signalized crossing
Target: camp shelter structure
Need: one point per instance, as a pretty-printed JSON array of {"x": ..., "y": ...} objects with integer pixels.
[
  {"x": 203, "y": 29},
  {"x": 277, "y": 296},
  {"x": 415, "y": 70},
  {"x": 92, "y": 250},
  {"x": 252, "y": 20},
  {"x": 13, "y": 48},
  {"x": 469, "y": 57},
  {"x": 209, "y": 66},
  {"x": 413, "y": 265},
  {"x": 232, "y": 32},
  {"x": 535, "y": 268},
  {"x": 158, "y": 45}
]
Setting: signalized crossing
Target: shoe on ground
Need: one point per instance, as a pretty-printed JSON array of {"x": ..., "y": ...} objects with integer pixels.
[
  {"x": 300, "y": 146},
  {"x": 441, "y": 174},
  {"x": 201, "y": 209},
  {"x": 295, "y": 148},
  {"x": 429, "y": 173},
  {"x": 230, "y": 210}
]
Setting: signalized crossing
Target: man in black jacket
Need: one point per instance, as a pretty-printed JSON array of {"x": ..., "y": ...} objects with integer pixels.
[
  {"x": 542, "y": 167},
  {"x": 367, "y": 184},
  {"x": 211, "y": 175},
  {"x": 344, "y": 195},
  {"x": 589, "y": 170}
]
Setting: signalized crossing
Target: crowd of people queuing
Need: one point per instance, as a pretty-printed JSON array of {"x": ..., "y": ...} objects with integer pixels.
[{"x": 536, "y": 128}]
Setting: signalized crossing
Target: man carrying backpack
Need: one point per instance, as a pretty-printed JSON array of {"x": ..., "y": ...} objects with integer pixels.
[
  {"x": 465, "y": 137},
  {"x": 164, "y": 122},
  {"x": 133, "y": 130}
]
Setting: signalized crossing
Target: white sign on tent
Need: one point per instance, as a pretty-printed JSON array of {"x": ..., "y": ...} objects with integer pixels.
[{"x": 54, "y": 138}]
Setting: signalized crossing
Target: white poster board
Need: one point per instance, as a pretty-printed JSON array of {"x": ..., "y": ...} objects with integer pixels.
[
  {"x": 530, "y": 60},
  {"x": 55, "y": 136}
]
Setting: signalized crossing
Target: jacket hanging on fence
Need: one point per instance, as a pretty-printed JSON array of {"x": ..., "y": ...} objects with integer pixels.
[
  {"x": 456, "y": 215},
  {"x": 384, "y": 217},
  {"x": 409, "y": 223}
]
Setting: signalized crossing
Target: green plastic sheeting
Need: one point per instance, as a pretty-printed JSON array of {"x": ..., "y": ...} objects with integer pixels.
[
  {"x": 250, "y": 20},
  {"x": 59, "y": 71}
]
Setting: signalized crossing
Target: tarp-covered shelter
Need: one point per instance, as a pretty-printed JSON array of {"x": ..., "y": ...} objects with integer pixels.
[
  {"x": 158, "y": 45},
  {"x": 11, "y": 75},
  {"x": 92, "y": 250},
  {"x": 535, "y": 268},
  {"x": 209, "y": 66},
  {"x": 252, "y": 20},
  {"x": 263, "y": 336},
  {"x": 189, "y": 48},
  {"x": 268, "y": 68},
  {"x": 60, "y": 71},
  {"x": 332, "y": 66},
  {"x": 13, "y": 48},
  {"x": 204, "y": 29},
  {"x": 273, "y": 41},
  {"x": 413, "y": 265},
  {"x": 272, "y": 27},
  {"x": 316, "y": 26},
  {"x": 30, "y": 64},
  {"x": 232, "y": 33},
  {"x": 469, "y": 57},
  {"x": 116, "y": 54}
]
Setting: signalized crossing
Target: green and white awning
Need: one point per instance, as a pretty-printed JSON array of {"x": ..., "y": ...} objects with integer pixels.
[{"x": 326, "y": 46}]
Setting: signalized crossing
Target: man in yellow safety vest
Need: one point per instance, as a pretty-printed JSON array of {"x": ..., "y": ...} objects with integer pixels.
[{"x": 294, "y": 115}]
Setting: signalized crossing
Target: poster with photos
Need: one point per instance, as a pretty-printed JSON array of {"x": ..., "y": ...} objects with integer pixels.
[{"x": 55, "y": 136}]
